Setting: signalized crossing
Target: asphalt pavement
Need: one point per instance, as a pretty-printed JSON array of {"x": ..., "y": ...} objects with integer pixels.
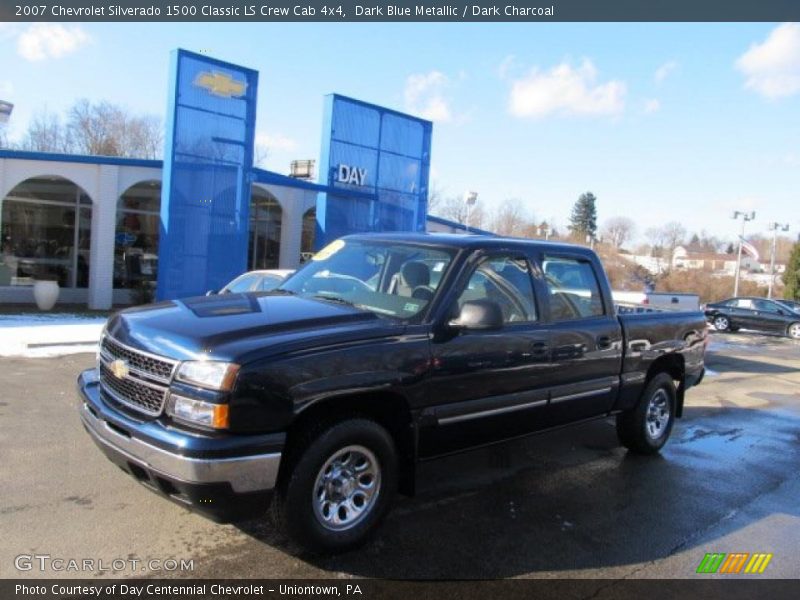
[{"x": 566, "y": 504}]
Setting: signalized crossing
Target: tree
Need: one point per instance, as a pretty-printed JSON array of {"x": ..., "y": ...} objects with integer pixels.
[
  {"x": 46, "y": 133},
  {"x": 618, "y": 230},
  {"x": 435, "y": 196},
  {"x": 101, "y": 129},
  {"x": 674, "y": 236},
  {"x": 511, "y": 219},
  {"x": 455, "y": 209},
  {"x": 730, "y": 249},
  {"x": 791, "y": 277},
  {"x": 583, "y": 220}
]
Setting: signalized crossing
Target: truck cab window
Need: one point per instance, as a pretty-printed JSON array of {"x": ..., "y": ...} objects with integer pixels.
[
  {"x": 506, "y": 281},
  {"x": 573, "y": 288}
]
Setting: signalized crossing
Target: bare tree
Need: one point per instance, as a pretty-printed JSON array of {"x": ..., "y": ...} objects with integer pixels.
[
  {"x": 455, "y": 209},
  {"x": 511, "y": 219},
  {"x": 618, "y": 230},
  {"x": 108, "y": 130},
  {"x": 46, "y": 133},
  {"x": 102, "y": 129},
  {"x": 435, "y": 196}
]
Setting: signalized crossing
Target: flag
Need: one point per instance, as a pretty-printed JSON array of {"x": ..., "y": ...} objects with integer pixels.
[
  {"x": 749, "y": 248},
  {"x": 5, "y": 111}
]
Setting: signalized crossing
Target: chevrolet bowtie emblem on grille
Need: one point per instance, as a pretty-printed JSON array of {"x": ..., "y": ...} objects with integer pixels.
[
  {"x": 119, "y": 368},
  {"x": 220, "y": 84}
]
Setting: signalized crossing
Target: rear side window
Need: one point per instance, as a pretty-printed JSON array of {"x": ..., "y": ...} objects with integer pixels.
[
  {"x": 505, "y": 280},
  {"x": 574, "y": 292}
]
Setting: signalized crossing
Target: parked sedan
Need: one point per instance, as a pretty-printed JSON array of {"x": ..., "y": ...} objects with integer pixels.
[
  {"x": 255, "y": 281},
  {"x": 754, "y": 313}
]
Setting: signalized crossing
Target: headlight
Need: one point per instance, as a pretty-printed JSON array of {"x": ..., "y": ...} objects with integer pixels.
[
  {"x": 199, "y": 412},
  {"x": 209, "y": 374}
]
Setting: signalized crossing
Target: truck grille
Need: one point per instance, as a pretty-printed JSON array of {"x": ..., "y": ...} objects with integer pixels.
[{"x": 144, "y": 380}]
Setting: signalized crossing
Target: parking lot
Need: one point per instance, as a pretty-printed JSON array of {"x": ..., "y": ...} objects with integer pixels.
[{"x": 566, "y": 504}]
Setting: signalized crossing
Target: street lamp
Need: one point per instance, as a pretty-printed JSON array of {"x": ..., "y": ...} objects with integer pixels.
[
  {"x": 470, "y": 198},
  {"x": 774, "y": 228},
  {"x": 746, "y": 216}
]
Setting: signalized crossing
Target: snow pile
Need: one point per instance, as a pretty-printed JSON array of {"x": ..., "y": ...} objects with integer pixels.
[{"x": 54, "y": 334}]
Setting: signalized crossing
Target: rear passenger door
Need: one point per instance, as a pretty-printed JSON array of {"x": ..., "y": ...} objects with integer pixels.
[
  {"x": 489, "y": 385},
  {"x": 585, "y": 338}
]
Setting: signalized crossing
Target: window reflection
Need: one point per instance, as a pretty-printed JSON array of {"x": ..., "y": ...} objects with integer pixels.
[
  {"x": 136, "y": 235},
  {"x": 45, "y": 228}
]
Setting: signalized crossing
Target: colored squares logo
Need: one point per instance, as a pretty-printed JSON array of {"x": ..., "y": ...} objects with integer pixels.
[{"x": 734, "y": 563}]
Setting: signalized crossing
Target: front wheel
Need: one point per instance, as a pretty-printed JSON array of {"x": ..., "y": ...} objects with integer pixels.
[
  {"x": 794, "y": 331},
  {"x": 340, "y": 486},
  {"x": 721, "y": 323},
  {"x": 646, "y": 428}
]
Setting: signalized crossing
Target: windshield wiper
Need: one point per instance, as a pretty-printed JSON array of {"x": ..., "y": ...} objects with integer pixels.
[{"x": 338, "y": 299}]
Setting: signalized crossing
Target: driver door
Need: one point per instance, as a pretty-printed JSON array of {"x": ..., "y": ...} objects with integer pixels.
[{"x": 489, "y": 385}]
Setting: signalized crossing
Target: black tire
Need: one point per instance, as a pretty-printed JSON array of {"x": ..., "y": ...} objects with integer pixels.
[
  {"x": 635, "y": 427},
  {"x": 296, "y": 507},
  {"x": 721, "y": 323}
]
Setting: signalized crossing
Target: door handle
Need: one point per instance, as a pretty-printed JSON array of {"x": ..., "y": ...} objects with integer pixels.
[
  {"x": 604, "y": 342},
  {"x": 539, "y": 348}
]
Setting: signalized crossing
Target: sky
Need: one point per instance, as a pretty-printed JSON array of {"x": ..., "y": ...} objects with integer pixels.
[{"x": 661, "y": 121}]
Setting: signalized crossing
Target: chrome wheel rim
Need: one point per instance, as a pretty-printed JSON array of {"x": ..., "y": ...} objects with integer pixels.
[
  {"x": 347, "y": 488},
  {"x": 794, "y": 331},
  {"x": 721, "y": 323},
  {"x": 657, "y": 414}
]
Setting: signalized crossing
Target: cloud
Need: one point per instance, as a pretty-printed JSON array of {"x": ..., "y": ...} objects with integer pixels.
[
  {"x": 424, "y": 95},
  {"x": 506, "y": 65},
  {"x": 41, "y": 41},
  {"x": 566, "y": 90},
  {"x": 772, "y": 68},
  {"x": 276, "y": 142},
  {"x": 665, "y": 71},
  {"x": 652, "y": 105}
]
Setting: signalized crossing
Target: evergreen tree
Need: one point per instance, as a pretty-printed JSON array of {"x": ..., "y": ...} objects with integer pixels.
[
  {"x": 583, "y": 220},
  {"x": 792, "y": 275}
]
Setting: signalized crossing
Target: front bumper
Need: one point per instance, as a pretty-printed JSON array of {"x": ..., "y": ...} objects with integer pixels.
[{"x": 226, "y": 478}]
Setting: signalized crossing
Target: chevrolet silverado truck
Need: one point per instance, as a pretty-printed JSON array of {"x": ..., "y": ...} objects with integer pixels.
[{"x": 320, "y": 398}]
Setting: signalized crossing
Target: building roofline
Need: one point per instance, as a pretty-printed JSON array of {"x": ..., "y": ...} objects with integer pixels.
[{"x": 82, "y": 158}]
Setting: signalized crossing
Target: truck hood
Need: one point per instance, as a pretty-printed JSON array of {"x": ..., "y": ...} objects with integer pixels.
[{"x": 243, "y": 327}]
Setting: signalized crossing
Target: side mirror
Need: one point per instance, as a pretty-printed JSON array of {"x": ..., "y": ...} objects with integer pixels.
[{"x": 482, "y": 315}]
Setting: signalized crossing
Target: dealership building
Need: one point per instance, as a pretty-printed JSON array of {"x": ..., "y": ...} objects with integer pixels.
[{"x": 105, "y": 227}]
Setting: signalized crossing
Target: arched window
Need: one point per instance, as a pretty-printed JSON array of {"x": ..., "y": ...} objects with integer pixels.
[
  {"x": 308, "y": 234},
  {"x": 136, "y": 235},
  {"x": 45, "y": 228},
  {"x": 265, "y": 230}
]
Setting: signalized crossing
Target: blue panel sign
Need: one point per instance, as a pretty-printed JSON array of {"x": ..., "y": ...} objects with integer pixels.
[
  {"x": 376, "y": 164},
  {"x": 208, "y": 156}
]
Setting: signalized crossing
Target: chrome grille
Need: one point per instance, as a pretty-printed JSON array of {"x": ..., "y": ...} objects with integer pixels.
[
  {"x": 147, "y": 365},
  {"x": 133, "y": 393},
  {"x": 145, "y": 385}
]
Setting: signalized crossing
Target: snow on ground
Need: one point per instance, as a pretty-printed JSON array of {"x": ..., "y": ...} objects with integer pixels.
[{"x": 48, "y": 334}]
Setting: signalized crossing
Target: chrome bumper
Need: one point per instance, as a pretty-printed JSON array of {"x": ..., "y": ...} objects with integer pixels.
[{"x": 244, "y": 474}]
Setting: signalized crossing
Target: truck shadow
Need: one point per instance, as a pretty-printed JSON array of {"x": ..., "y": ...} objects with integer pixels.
[{"x": 573, "y": 499}]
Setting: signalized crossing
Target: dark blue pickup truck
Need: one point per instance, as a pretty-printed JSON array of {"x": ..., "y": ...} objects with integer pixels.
[{"x": 321, "y": 397}]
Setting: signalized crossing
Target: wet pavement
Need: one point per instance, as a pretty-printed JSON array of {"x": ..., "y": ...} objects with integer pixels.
[{"x": 566, "y": 504}]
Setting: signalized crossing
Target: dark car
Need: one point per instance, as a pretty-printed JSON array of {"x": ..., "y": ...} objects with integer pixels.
[
  {"x": 383, "y": 351},
  {"x": 754, "y": 313}
]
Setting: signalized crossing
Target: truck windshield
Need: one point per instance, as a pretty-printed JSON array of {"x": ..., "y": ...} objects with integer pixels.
[{"x": 394, "y": 279}]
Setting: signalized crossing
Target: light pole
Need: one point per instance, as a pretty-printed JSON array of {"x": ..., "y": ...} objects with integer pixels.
[
  {"x": 746, "y": 216},
  {"x": 774, "y": 227},
  {"x": 470, "y": 198}
]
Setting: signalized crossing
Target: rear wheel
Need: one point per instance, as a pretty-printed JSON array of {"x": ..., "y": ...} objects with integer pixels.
[
  {"x": 721, "y": 323},
  {"x": 794, "y": 331},
  {"x": 339, "y": 487},
  {"x": 646, "y": 428}
]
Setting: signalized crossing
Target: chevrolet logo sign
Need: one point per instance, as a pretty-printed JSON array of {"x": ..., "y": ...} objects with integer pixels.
[
  {"x": 220, "y": 84},
  {"x": 119, "y": 368}
]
